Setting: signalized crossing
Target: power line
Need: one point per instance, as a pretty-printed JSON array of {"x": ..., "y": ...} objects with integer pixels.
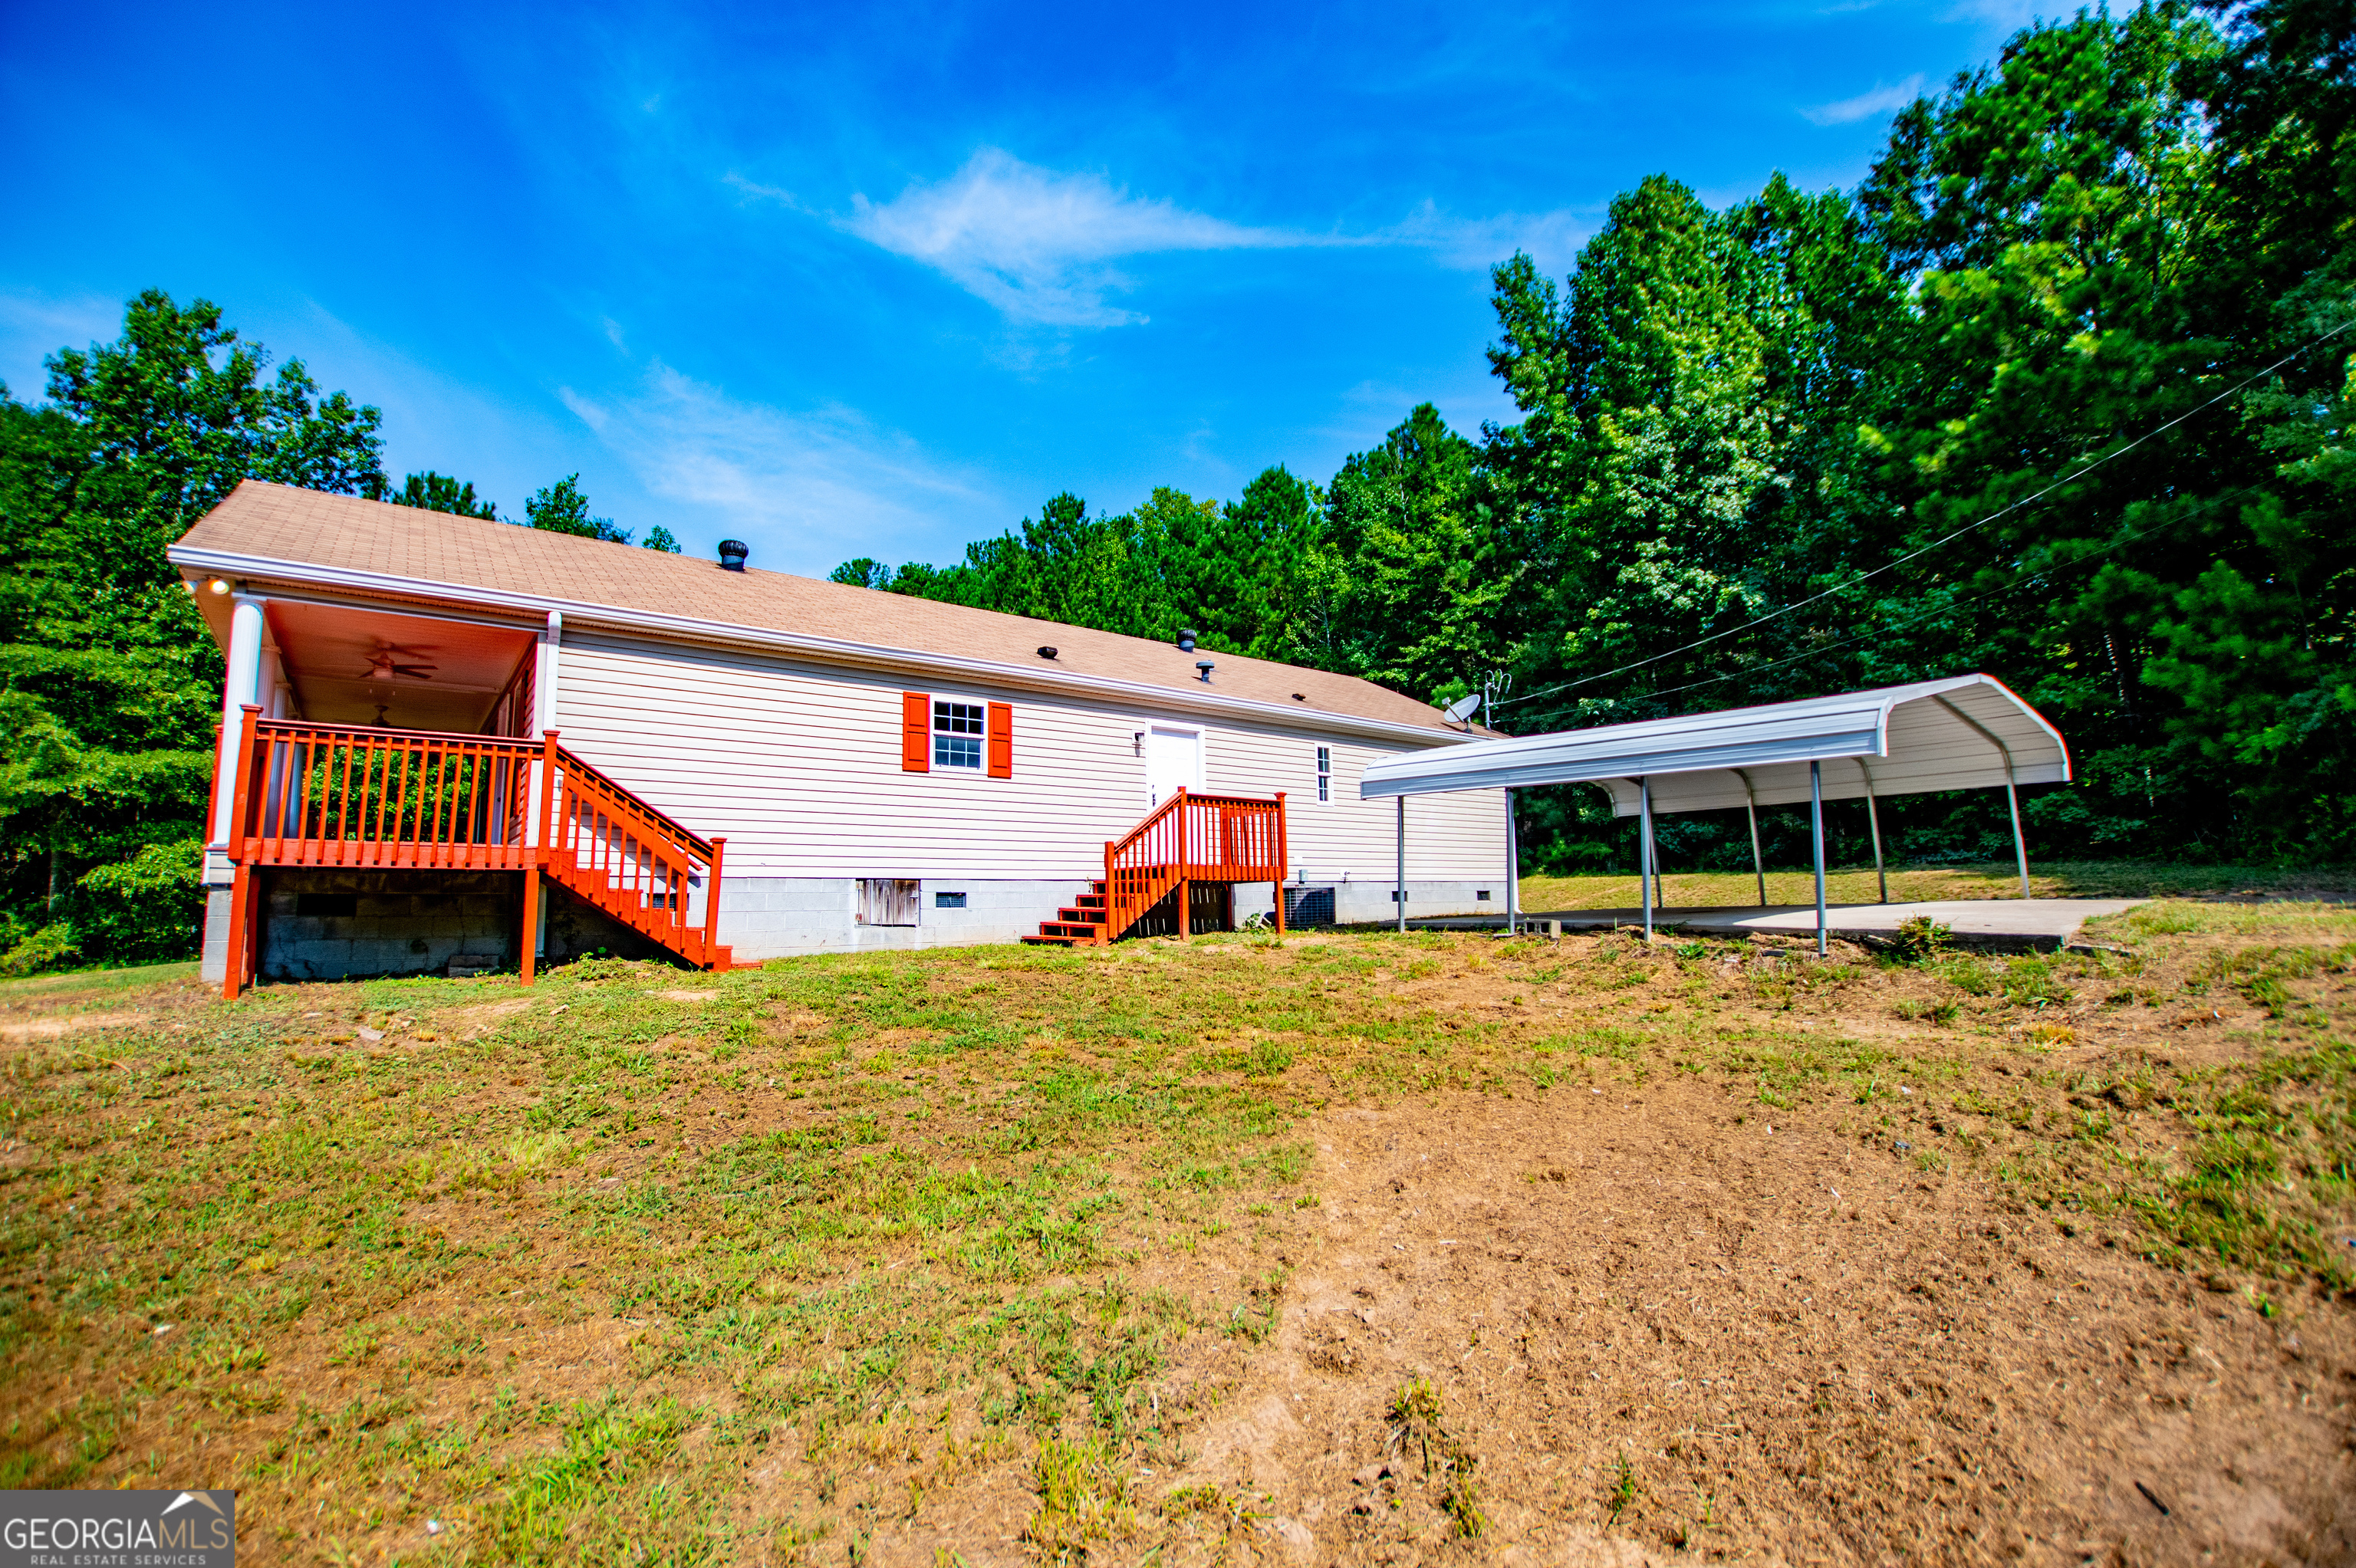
[
  {"x": 1934, "y": 544},
  {"x": 2209, "y": 505}
]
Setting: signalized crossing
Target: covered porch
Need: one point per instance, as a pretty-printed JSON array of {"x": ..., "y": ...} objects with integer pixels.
[{"x": 368, "y": 750}]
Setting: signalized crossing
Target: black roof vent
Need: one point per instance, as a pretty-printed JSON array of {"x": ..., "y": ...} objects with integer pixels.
[
  {"x": 1186, "y": 642},
  {"x": 1203, "y": 666},
  {"x": 1046, "y": 653},
  {"x": 732, "y": 553}
]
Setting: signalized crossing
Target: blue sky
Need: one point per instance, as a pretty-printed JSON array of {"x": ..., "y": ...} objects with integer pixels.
[{"x": 875, "y": 282}]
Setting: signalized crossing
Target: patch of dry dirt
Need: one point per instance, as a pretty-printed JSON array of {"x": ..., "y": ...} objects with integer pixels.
[
  {"x": 24, "y": 1031},
  {"x": 1805, "y": 1351}
]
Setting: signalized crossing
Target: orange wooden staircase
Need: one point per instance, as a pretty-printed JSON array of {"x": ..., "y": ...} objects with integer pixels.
[
  {"x": 1188, "y": 838},
  {"x": 354, "y": 797}
]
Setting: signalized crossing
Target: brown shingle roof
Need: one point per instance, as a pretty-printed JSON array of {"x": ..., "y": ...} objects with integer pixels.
[{"x": 343, "y": 533}]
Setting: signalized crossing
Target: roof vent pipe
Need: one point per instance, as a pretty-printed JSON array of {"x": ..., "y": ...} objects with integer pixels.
[
  {"x": 1186, "y": 641},
  {"x": 732, "y": 553},
  {"x": 1203, "y": 666}
]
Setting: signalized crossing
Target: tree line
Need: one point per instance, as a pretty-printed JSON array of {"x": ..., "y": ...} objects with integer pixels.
[
  {"x": 109, "y": 685},
  {"x": 2060, "y": 392}
]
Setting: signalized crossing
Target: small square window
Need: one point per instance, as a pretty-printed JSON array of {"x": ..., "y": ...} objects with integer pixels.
[
  {"x": 958, "y": 729},
  {"x": 949, "y": 901},
  {"x": 1324, "y": 773},
  {"x": 1482, "y": 896}
]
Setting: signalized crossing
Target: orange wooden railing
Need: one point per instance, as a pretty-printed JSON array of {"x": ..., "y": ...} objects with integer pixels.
[
  {"x": 626, "y": 857},
  {"x": 345, "y": 794},
  {"x": 1188, "y": 838},
  {"x": 356, "y": 796}
]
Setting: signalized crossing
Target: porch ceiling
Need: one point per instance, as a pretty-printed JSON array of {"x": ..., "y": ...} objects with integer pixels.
[{"x": 328, "y": 652}]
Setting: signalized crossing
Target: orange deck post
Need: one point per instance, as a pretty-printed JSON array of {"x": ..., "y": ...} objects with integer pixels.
[
  {"x": 1281, "y": 859},
  {"x": 711, "y": 903},
  {"x": 530, "y": 922},
  {"x": 537, "y": 857},
  {"x": 1185, "y": 887},
  {"x": 241, "y": 780},
  {"x": 237, "y": 962},
  {"x": 254, "y": 925},
  {"x": 234, "y": 955}
]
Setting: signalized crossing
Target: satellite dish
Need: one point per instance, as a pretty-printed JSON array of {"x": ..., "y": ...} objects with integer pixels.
[{"x": 1463, "y": 708}]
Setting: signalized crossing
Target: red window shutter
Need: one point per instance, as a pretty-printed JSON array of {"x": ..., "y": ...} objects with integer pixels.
[
  {"x": 1001, "y": 741},
  {"x": 916, "y": 732}
]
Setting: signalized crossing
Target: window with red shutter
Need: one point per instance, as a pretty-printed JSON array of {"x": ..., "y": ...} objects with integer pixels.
[
  {"x": 916, "y": 732},
  {"x": 1001, "y": 741}
]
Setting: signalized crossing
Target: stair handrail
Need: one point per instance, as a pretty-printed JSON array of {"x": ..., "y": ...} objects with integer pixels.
[
  {"x": 1130, "y": 890},
  {"x": 611, "y": 845},
  {"x": 1146, "y": 864},
  {"x": 572, "y": 762}
]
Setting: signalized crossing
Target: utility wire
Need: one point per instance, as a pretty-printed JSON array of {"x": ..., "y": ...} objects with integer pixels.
[
  {"x": 1934, "y": 544},
  {"x": 2209, "y": 505}
]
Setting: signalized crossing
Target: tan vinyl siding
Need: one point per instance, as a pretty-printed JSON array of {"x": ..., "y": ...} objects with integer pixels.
[{"x": 800, "y": 766}]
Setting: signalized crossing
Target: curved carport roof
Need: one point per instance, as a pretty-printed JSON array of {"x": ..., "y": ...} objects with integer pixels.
[
  {"x": 1970, "y": 731},
  {"x": 1966, "y": 732}
]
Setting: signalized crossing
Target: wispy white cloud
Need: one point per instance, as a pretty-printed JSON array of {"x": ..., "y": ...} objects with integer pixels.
[
  {"x": 2006, "y": 14},
  {"x": 1036, "y": 242},
  {"x": 1040, "y": 244},
  {"x": 1880, "y": 100},
  {"x": 35, "y": 325},
  {"x": 764, "y": 192},
  {"x": 807, "y": 489},
  {"x": 1552, "y": 238}
]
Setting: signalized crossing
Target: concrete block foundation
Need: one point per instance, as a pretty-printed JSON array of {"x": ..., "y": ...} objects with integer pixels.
[{"x": 321, "y": 924}]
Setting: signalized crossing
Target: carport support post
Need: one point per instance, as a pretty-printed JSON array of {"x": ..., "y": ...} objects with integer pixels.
[
  {"x": 1816, "y": 831},
  {"x": 2020, "y": 844},
  {"x": 1873, "y": 820},
  {"x": 1659, "y": 896},
  {"x": 1751, "y": 806},
  {"x": 1402, "y": 864},
  {"x": 1513, "y": 871},
  {"x": 1645, "y": 849}
]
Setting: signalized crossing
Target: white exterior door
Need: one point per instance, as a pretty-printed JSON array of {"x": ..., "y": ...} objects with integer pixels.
[{"x": 1173, "y": 760}]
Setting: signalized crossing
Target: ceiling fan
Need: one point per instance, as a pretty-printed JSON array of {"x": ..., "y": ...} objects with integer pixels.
[{"x": 386, "y": 663}]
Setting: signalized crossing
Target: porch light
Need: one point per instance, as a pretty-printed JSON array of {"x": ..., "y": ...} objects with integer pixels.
[
  {"x": 218, "y": 585},
  {"x": 732, "y": 553}
]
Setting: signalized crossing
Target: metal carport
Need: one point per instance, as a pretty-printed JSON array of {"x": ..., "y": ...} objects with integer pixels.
[{"x": 1967, "y": 732}]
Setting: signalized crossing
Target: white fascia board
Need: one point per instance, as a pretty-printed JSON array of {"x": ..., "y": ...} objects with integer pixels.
[
  {"x": 827, "y": 650},
  {"x": 1565, "y": 765}
]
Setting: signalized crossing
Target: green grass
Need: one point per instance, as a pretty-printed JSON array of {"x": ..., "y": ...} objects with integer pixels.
[
  {"x": 96, "y": 982},
  {"x": 1913, "y": 884},
  {"x": 563, "y": 1269}
]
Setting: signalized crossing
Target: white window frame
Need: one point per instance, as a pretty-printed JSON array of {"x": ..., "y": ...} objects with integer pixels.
[
  {"x": 981, "y": 738},
  {"x": 1324, "y": 776}
]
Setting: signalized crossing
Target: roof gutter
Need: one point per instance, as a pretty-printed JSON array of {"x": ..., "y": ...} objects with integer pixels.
[{"x": 224, "y": 563}]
